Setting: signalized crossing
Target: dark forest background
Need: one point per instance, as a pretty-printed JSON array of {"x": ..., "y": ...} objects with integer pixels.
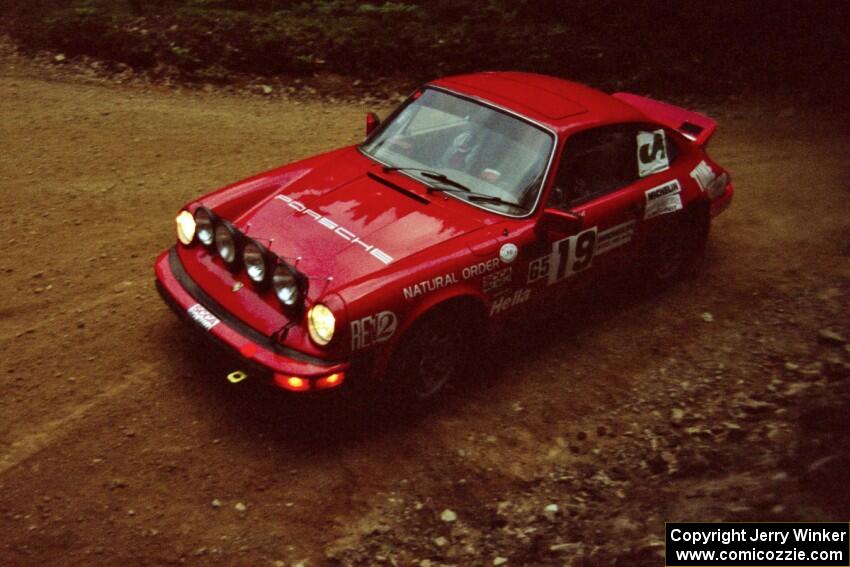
[{"x": 704, "y": 48}]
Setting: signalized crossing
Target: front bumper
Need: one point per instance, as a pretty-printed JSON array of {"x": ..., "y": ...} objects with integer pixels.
[{"x": 261, "y": 353}]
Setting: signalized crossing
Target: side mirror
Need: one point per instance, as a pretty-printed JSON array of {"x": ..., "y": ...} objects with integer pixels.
[
  {"x": 555, "y": 224},
  {"x": 372, "y": 122}
]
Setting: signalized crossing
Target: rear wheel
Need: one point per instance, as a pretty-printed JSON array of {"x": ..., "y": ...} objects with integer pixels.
[{"x": 675, "y": 247}]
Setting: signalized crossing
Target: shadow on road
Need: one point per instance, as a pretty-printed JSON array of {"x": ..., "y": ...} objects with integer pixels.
[{"x": 323, "y": 422}]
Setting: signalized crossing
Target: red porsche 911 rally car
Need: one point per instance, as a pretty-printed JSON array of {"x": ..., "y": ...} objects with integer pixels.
[{"x": 479, "y": 198}]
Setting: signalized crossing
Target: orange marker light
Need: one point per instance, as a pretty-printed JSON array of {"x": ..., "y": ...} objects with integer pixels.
[
  {"x": 331, "y": 381},
  {"x": 293, "y": 383}
]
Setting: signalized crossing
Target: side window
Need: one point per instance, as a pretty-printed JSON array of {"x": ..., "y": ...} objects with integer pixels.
[
  {"x": 672, "y": 149},
  {"x": 595, "y": 162}
]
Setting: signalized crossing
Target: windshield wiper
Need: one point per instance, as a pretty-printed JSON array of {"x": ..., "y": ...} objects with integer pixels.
[
  {"x": 474, "y": 196},
  {"x": 436, "y": 176},
  {"x": 456, "y": 187}
]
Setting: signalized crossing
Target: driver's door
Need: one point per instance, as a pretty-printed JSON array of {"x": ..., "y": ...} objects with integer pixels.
[{"x": 595, "y": 181}]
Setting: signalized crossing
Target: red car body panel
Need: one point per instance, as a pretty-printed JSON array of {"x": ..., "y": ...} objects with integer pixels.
[{"x": 381, "y": 251}]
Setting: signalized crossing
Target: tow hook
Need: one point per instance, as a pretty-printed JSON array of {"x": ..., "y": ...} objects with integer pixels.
[{"x": 236, "y": 376}]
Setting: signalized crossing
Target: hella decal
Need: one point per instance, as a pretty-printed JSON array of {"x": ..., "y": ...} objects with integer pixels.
[
  {"x": 508, "y": 301},
  {"x": 340, "y": 231},
  {"x": 373, "y": 329}
]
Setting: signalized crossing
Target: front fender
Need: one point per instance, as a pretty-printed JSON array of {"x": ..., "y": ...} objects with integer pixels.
[{"x": 463, "y": 291}]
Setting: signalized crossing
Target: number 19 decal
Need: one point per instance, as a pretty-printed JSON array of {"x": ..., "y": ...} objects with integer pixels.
[{"x": 569, "y": 256}]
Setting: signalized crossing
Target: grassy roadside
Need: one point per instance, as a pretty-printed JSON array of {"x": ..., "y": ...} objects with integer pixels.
[{"x": 664, "y": 47}]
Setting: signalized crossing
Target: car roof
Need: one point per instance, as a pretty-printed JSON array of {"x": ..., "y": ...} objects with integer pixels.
[{"x": 555, "y": 102}]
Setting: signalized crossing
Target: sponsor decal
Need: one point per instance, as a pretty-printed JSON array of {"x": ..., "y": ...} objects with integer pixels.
[
  {"x": 663, "y": 199},
  {"x": 614, "y": 237},
  {"x": 703, "y": 175},
  {"x": 497, "y": 280},
  {"x": 451, "y": 278},
  {"x": 708, "y": 180},
  {"x": 480, "y": 268},
  {"x": 203, "y": 317},
  {"x": 428, "y": 286},
  {"x": 576, "y": 253},
  {"x": 569, "y": 256},
  {"x": 508, "y": 253},
  {"x": 373, "y": 329},
  {"x": 339, "y": 231},
  {"x": 652, "y": 152},
  {"x": 506, "y": 302}
]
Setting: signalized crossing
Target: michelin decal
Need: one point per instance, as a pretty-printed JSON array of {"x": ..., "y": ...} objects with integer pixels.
[{"x": 663, "y": 199}]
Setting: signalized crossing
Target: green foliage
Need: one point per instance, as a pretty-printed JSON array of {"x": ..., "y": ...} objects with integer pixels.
[{"x": 608, "y": 43}]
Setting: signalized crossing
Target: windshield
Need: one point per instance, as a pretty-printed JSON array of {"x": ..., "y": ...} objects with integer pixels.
[{"x": 484, "y": 150}]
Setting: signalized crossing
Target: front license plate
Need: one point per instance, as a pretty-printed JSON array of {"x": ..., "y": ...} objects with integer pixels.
[{"x": 203, "y": 317}]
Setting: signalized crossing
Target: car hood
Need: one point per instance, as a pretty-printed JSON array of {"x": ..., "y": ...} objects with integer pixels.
[{"x": 343, "y": 218}]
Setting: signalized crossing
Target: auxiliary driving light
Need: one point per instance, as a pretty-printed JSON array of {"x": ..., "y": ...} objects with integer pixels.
[
  {"x": 286, "y": 288},
  {"x": 255, "y": 260},
  {"x": 204, "y": 226},
  {"x": 225, "y": 243}
]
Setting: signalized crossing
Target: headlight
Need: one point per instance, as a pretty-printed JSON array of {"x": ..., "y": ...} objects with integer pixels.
[
  {"x": 204, "y": 226},
  {"x": 321, "y": 324},
  {"x": 255, "y": 260},
  {"x": 225, "y": 243},
  {"x": 185, "y": 227},
  {"x": 286, "y": 288}
]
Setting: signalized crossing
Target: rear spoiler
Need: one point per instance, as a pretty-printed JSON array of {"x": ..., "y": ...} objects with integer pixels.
[{"x": 692, "y": 125}]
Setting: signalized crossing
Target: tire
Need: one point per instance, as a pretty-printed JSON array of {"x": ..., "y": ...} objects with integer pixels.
[
  {"x": 431, "y": 356},
  {"x": 675, "y": 248}
]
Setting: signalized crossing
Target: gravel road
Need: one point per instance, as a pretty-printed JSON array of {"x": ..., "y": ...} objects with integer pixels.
[{"x": 122, "y": 443}]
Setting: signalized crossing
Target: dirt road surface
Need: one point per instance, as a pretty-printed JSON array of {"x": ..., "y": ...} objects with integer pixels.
[{"x": 122, "y": 444}]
